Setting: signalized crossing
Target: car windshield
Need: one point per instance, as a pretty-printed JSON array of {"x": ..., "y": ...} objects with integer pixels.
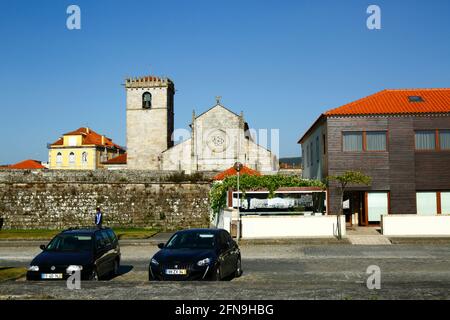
[
  {"x": 192, "y": 240},
  {"x": 70, "y": 243}
]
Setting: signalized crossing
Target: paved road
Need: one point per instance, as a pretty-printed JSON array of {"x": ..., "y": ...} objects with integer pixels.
[{"x": 270, "y": 272}]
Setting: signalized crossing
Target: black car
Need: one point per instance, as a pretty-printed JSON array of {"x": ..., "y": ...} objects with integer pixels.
[
  {"x": 95, "y": 252},
  {"x": 197, "y": 254}
]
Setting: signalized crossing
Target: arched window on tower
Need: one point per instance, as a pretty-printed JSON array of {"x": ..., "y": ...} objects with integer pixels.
[{"x": 147, "y": 100}]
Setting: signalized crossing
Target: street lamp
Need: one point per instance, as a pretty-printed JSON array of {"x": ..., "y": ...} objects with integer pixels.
[{"x": 238, "y": 166}]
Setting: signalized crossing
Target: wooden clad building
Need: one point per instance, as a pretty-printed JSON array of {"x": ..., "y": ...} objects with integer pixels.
[{"x": 400, "y": 138}]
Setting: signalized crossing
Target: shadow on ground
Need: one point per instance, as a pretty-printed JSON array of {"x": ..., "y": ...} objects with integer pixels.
[{"x": 123, "y": 269}]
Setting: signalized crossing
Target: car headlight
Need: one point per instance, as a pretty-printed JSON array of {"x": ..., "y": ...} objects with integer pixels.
[
  {"x": 73, "y": 268},
  {"x": 153, "y": 261},
  {"x": 33, "y": 268},
  {"x": 204, "y": 262}
]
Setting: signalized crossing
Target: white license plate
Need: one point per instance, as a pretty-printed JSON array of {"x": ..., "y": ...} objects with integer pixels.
[
  {"x": 51, "y": 276},
  {"x": 176, "y": 271}
]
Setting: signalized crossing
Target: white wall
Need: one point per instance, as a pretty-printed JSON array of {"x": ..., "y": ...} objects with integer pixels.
[
  {"x": 223, "y": 220},
  {"x": 178, "y": 157},
  {"x": 264, "y": 227},
  {"x": 314, "y": 170},
  {"x": 415, "y": 225}
]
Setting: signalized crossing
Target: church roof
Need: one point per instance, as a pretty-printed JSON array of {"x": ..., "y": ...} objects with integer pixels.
[{"x": 217, "y": 105}]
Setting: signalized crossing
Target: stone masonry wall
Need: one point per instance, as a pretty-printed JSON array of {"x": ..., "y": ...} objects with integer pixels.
[{"x": 61, "y": 199}]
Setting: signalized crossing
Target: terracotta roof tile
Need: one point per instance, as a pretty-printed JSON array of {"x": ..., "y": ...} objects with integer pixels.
[
  {"x": 58, "y": 142},
  {"x": 391, "y": 102},
  {"x": 397, "y": 102},
  {"x": 232, "y": 172},
  {"x": 27, "y": 164},
  {"x": 89, "y": 137},
  {"x": 121, "y": 159}
]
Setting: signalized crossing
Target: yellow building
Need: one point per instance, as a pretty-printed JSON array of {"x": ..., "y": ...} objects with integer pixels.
[{"x": 82, "y": 149}]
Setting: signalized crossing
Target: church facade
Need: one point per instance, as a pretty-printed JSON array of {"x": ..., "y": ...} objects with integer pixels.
[{"x": 218, "y": 138}]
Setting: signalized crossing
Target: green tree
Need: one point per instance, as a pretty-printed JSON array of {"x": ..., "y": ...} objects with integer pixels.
[{"x": 344, "y": 180}]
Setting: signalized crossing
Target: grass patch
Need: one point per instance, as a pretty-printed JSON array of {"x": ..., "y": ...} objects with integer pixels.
[
  {"x": 11, "y": 273},
  {"x": 28, "y": 234},
  {"x": 134, "y": 233},
  {"x": 42, "y": 234}
]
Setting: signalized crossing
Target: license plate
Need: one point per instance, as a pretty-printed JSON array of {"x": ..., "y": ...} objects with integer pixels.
[
  {"x": 51, "y": 276},
  {"x": 176, "y": 271}
]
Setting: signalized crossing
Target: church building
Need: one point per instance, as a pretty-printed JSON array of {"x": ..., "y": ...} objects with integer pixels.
[{"x": 218, "y": 138}]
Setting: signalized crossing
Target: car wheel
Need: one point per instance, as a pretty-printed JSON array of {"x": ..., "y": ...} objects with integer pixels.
[
  {"x": 116, "y": 266},
  {"x": 238, "y": 271},
  {"x": 217, "y": 274},
  {"x": 94, "y": 275}
]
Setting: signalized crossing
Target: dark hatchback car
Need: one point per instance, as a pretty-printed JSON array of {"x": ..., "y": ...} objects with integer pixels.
[
  {"x": 94, "y": 252},
  {"x": 197, "y": 254}
]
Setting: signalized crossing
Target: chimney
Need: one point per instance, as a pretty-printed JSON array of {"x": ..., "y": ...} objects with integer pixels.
[
  {"x": 103, "y": 139},
  {"x": 87, "y": 130}
]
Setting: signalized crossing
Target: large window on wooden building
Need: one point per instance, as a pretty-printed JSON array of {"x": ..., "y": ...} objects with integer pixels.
[
  {"x": 377, "y": 205},
  {"x": 425, "y": 140},
  {"x": 376, "y": 141},
  {"x": 426, "y": 203},
  {"x": 445, "y": 202},
  {"x": 433, "y": 202},
  {"x": 364, "y": 141},
  {"x": 444, "y": 139},
  {"x": 353, "y": 141}
]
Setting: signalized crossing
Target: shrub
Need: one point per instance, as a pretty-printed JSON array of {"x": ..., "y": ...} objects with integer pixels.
[{"x": 218, "y": 193}]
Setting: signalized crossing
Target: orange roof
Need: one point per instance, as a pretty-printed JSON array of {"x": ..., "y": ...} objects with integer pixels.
[
  {"x": 232, "y": 172},
  {"x": 27, "y": 164},
  {"x": 89, "y": 137},
  {"x": 392, "y": 101},
  {"x": 58, "y": 142},
  {"x": 121, "y": 159}
]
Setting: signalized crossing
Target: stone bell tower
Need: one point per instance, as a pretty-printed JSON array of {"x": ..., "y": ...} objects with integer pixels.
[{"x": 150, "y": 120}]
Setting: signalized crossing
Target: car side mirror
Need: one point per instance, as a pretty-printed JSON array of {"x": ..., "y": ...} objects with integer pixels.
[
  {"x": 42, "y": 246},
  {"x": 161, "y": 245}
]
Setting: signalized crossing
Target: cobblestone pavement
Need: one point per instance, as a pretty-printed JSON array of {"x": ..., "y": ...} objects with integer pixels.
[{"x": 270, "y": 272}]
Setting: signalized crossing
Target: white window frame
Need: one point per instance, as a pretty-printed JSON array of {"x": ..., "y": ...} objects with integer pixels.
[
  {"x": 84, "y": 158},
  {"x": 72, "y": 159},
  {"x": 59, "y": 159}
]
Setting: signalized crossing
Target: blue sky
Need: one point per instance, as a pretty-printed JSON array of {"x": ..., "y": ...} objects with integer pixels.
[{"x": 281, "y": 62}]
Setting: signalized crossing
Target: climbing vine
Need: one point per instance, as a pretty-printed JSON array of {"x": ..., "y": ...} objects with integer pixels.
[{"x": 218, "y": 193}]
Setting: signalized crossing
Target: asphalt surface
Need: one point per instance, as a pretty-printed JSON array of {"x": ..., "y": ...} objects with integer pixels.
[{"x": 282, "y": 271}]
